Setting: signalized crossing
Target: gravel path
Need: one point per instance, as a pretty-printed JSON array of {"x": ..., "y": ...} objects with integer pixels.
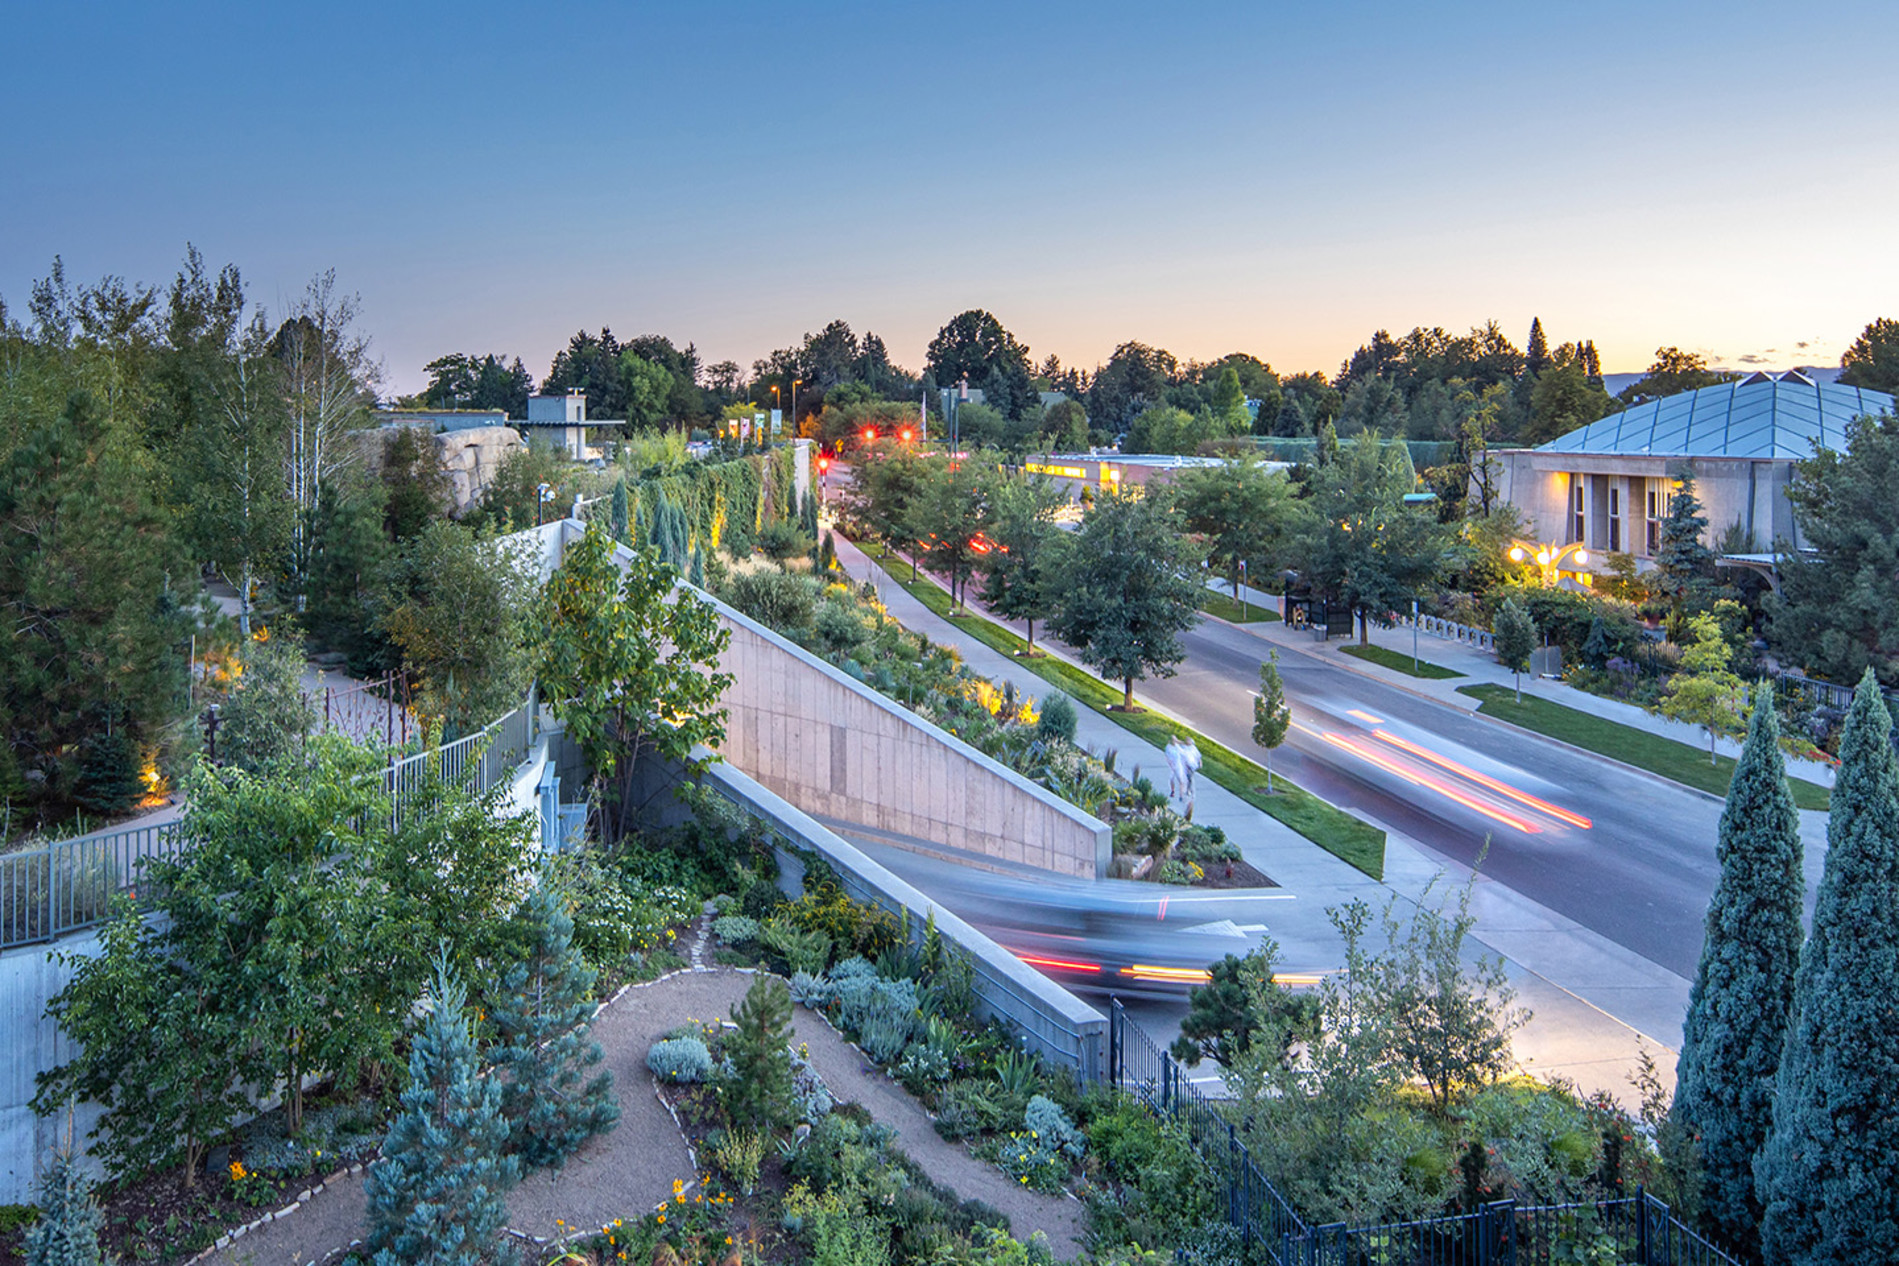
[{"x": 632, "y": 1168}]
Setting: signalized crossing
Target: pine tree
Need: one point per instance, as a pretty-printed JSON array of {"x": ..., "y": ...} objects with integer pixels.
[
  {"x": 617, "y": 512},
  {"x": 1682, "y": 565},
  {"x": 543, "y": 1021},
  {"x": 758, "y": 1097},
  {"x": 67, "y": 1233},
  {"x": 1825, "y": 1175},
  {"x": 696, "y": 574},
  {"x": 1536, "y": 355},
  {"x": 436, "y": 1198},
  {"x": 1737, "y": 1010}
]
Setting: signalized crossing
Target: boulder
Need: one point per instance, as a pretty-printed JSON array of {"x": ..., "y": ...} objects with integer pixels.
[{"x": 471, "y": 458}]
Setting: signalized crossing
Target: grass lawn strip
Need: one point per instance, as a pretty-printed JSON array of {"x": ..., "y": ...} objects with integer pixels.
[
  {"x": 1222, "y": 606},
  {"x": 1664, "y": 756},
  {"x": 1337, "y": 832},
  {"x": 1400, "y": 662}
]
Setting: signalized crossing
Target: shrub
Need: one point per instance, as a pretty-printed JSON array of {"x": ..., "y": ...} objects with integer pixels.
[
  {"x": 1057, "y": 720},
  {"x": 67, "y": 1232},
  {"x": 811, "y": 991},
  {"x": 1050, "y": 1125},
  {"x": 738, "y": 1154},
  {"x": 804, "y": 950},
  {"x": 681, "y": 1060},
  {"x": 1031, "y": 1161},
  {"x": 735, "y": 929},
  {"x": 923, "y": 1067},
  {"x": 777, "y": 599},
  {"x": 762, "y": 900},
  {"x": 968, "y": 1108}
]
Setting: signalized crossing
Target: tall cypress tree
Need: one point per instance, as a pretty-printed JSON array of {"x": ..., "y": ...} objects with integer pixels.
[
  {"x": 1737, "y": 1010},
  {"x": 617, "y": 512},
  {"x": 542, "y": 1019},
  {"x": 1825, "y": 1176},
  {"x": 437, "y": 1196}
]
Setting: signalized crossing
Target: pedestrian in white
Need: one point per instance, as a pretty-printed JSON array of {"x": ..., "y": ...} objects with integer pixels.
[
  {"x": 1176, "y": 768},
  {"x": 1190, "y": 765}
]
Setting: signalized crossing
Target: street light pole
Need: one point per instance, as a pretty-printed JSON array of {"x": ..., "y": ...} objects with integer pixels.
[{"x": 791, "y": 423}]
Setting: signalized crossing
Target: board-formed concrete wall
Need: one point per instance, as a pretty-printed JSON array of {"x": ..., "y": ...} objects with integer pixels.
[
  {"x": 30, "y": 977},
  {"x": 840, "y": 751}
]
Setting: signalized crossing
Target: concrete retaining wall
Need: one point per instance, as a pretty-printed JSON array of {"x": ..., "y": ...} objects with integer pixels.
[
  {"x": 30, "y": 976},
  {"x": 839, "y": 750},
  {"x": 1052, "y": 1021}
]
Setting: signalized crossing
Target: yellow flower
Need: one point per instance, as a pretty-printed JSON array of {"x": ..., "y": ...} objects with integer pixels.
[
  {"x": 662, "y": 1217},
  {"x": 238, "y": 1172}
]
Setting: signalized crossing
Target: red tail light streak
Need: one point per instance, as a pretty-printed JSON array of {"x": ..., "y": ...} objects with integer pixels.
[
  {"x": 1433, "y": 783},
  {"x": 1485, "y": 780}
]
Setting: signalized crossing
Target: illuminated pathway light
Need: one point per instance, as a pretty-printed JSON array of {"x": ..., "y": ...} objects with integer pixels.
[
  {"x": 1502, "y": 788},
  {"x": 1436, "y": 784}
]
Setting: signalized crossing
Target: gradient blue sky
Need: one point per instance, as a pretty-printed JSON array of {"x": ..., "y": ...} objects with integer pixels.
[{"x": 1275, "y": 178}]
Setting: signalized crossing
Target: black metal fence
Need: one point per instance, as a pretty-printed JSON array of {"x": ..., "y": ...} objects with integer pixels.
[{"x": 1629, "y": 1231}]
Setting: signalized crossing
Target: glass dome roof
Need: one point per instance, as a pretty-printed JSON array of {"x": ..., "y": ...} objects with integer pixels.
[{"x": 1759, "y": 417}]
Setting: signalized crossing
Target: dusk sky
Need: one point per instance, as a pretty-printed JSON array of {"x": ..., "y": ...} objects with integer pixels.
[{"x": 1272, "y": 178}]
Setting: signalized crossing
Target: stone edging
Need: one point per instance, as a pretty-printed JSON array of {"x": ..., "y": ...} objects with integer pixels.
[{"x": 303, "y": 1197}]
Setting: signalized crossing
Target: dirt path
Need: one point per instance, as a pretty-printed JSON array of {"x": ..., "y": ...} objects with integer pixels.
[{"x": 632, "y": 1168}]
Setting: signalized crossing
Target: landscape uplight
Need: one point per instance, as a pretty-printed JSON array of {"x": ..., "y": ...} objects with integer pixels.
[{"x": 1516, "y": 553}]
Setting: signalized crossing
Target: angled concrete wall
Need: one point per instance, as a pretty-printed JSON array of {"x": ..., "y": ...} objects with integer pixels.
[{"x": 840, "y": 751}]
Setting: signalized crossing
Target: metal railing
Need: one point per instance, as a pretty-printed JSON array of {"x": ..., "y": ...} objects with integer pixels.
[
  {"x": 1638, "y": 1230},
  {"x": 475, "y": 762},
  {"x": 1265, "y": 1219},
  {"x": 68, "y": 885},
  {"x": 1452, "y": 631}
]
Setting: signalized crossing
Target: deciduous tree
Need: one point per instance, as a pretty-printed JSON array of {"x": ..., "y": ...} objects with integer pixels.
[
  {"x": 1515, "y": 636},
  {"x": 1363, "y": 544},
  {"x": 1244, "y": 513},
  {"x": 1132, "y": 585},
  {"x": 1272, "y": 715},
  {"x": 1021, "y": 572},
  {"x": 1872, "y": 361},
  {"x": 1706, "y": 691}
]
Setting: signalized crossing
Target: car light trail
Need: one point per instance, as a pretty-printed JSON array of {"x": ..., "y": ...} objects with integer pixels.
[
  {"x": 1297, "y": 977},
  {"x": 1435, "y": 784},
  {"x": 1501, "y": 788},
  {"x": 1177, "y": 975},
  {"x": 1058, "y": 964},
  {"x": 1366, "y": 717}
]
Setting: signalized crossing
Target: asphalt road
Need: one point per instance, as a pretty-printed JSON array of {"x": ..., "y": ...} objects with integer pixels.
[{"x": 1639, "y": 873}]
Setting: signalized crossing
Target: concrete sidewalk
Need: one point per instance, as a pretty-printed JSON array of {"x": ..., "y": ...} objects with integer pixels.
[
  {"x": 1478, "y": 667},
  {"x": 1595, "y": 1004}
]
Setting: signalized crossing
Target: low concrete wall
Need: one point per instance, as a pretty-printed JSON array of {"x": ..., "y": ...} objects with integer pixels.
[{"x": 1052, "y": 1021}]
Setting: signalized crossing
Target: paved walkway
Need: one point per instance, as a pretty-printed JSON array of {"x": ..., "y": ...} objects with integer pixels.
[
  {"x": 631, "y": 1169},
  {"x": 1596, "y": 1005}
]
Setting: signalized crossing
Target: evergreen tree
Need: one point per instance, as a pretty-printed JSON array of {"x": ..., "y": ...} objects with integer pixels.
[
  {"x": 1825, "y": 1175},
  {"x": 349, "y": 559},
  {"x": 696, "y": 574},
  {"x": 1737, "y": 1010},
  {"x": 542, "y": 1021},
  {"x": 1681, "y": 566},
  {"x": 266, "y": 718},
  {"x": 758, "y": 1096},
  {"x": 67, "y": 1233},
  {"x": 1536, "y": 353},
  {"x": 617, "y": 513},
  {"x": 436, "y": 1198}
]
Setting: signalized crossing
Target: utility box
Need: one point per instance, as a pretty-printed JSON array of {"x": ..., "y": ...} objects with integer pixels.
[{"x": 1546, "y": 661}]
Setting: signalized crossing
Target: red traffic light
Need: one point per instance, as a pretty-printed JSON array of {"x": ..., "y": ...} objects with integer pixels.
[
  {"x": 904, "y": 435},
  {"x": 870, "y": 433},
  {"x": 824, "y": 464}
]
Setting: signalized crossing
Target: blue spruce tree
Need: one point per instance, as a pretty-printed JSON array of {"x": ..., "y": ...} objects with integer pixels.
[
  {"x": 1826, "y": 1176},
  {"x": 542, "y": 1021},
  {"x": 67, "y": 1233},
  {"x": 617, "y": 519},
  {"x": 1737, "y": 1010},
  {"x": 436, "y": 1198}
]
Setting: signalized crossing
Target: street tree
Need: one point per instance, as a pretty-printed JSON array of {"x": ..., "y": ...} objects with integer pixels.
[
  {"x": 1363, "y": 545},
  {"x": 1022, "y": 570},
  {"x": 1515, "y": 635},
  {"x": 1872, "y": 362},
  {"x": 890, "y": 480},
  {"x": 1743, "y": 988},
  {"x": 628, "y": 662},
  {"x": 1272, "y": 715},
  {"x": 1132, "y": 586},
  {"x": 951, "y": 518},
  {"x": 1243, "y": 512},
  {"x": 1824, "y": 1176},
  {"x": 1837, "y": 613},
  {"x": 1706, "y": 690}
]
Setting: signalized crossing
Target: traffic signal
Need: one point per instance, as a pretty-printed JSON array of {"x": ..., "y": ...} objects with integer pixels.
[
  {"x": 904, "y": 435},
  {"x": 824, "y": 465},
  {"x": 870, "y": 433}
]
